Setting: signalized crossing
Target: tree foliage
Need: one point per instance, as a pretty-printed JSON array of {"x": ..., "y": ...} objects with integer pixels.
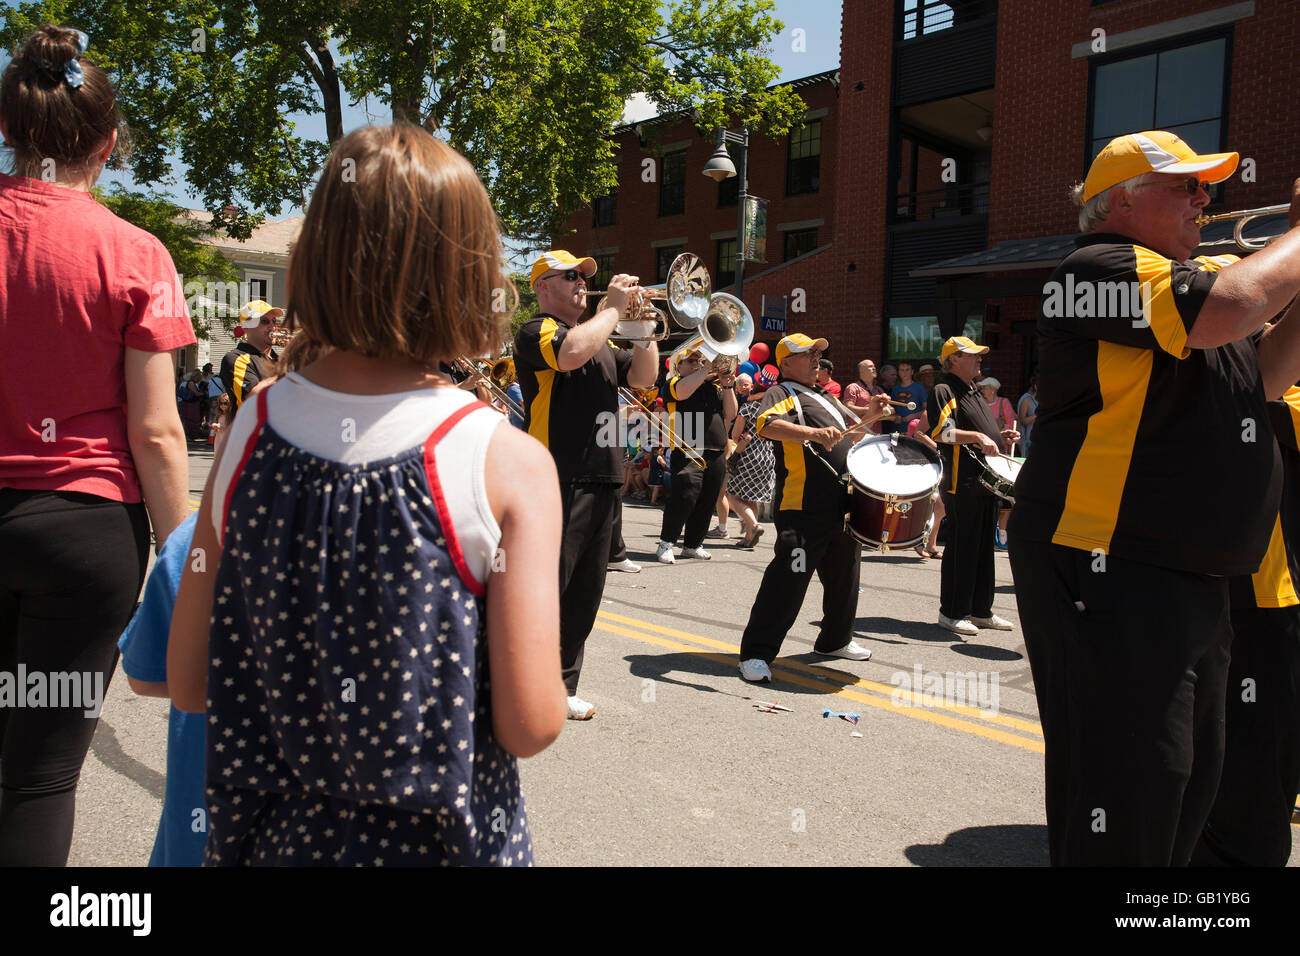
[{"x": 528, "y": 90}]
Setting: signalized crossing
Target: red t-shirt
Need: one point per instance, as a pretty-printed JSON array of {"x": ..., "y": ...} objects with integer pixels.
[{"x": 80, "y": 286}]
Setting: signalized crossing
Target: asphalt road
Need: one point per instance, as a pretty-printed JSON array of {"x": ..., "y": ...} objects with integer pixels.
[{"x": 679, "y": 768}]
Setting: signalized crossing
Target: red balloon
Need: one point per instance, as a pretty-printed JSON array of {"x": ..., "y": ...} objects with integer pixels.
[{"x": 759, "y": 353}]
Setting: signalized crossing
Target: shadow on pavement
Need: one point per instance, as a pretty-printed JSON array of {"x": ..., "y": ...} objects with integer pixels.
[
  {"x": 987, "y": 652},
  {"x": 1016, "y": 844}
]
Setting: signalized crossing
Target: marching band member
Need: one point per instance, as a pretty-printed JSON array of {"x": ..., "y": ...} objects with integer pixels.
[
  {"x": 960, "y": 416},
  {"x": 696, "y": 479},
  {"x": 1121, "y": 561},
  {"x": 794, "y": 414},
  {"x": 569, "y": 375},
  {"x": 252, "y": 359}
]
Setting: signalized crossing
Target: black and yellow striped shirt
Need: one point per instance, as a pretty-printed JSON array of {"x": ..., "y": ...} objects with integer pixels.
[
  {"x": 574, "y": 414},
  {"x": 802, "y": 482},
  {"x": 1144, "y": 448},
  {"x": 1277, "y": 582}
]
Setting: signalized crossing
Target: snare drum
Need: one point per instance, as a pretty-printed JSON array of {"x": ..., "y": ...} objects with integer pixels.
[
  {"x": 892, "y": 479},
  {"x": 998, "y": 475}
]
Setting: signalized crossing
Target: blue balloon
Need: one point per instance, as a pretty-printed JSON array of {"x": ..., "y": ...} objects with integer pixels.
[{"x": 748, "y": 368}]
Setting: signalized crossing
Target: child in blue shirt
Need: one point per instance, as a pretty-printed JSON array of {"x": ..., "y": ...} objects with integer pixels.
[{"x": 183, "y": 829}]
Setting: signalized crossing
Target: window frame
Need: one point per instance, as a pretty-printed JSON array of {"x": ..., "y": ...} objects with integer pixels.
[
  {"x": 790, "y": 160},
  {"x": 665, "y": 185}
]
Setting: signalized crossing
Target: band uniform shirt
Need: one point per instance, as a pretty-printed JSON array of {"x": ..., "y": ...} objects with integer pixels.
[
  {"x": 243, "y": 368},
  {"x": 1276, "y": 583},
  {"x": 1143, "y": 447},
  {"x": 571, "y": 413},
  {"x": 707, "y": 432},
  {"x": 804, "y": 484},
  {"x": 956, "y": 405}
]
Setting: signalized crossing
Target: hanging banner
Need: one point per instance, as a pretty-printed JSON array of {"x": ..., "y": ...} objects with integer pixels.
[{"x": 755, "y": 244}]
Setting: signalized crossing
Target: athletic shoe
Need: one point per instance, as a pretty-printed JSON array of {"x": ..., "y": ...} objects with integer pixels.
[
  {"x": 756, "y": 671},
  {"x": 579, "y": 709},
  {"x": 993, "y": 623},
  {"x": 664, "y": 553},
  {"x": 627, "y": 564},
  {"x": 852, "y": 651},
  {"x": 718, "y": 532},
  {"x": 963, "y": 627},
  {"x": 696, "y": 553}
]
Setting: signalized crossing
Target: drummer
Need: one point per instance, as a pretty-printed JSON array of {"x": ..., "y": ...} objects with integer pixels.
[
  {"x": 959, "y": 416},
  {"x": 807, "y": 425}
]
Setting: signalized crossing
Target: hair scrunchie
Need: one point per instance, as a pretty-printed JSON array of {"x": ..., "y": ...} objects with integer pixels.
[{"x": 72, "y": 72}]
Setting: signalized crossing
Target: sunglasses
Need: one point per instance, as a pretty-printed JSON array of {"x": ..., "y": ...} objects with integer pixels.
[
  {"x": 573, "y": 275},
  {"x": 1190, "y": 185}
]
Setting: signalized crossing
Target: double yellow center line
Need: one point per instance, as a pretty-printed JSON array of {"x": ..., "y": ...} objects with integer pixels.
[{"x": 1025, "y": 734}]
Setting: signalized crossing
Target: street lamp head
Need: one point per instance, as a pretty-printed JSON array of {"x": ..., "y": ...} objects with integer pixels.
[{"x": 720, "y": 166}]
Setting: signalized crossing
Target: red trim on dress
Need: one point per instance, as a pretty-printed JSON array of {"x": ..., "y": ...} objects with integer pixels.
[
  {"x": 440, "y": 500},
  {"x": 243, "y": 461}
]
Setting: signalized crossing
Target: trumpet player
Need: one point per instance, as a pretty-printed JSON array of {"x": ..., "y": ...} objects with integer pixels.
[
  {"x": 702, "y": 398},
  {"x": 569, "y": 377}
]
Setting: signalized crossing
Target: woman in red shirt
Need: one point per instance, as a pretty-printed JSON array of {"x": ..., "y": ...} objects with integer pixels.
[{"x": 91, "y": 446}]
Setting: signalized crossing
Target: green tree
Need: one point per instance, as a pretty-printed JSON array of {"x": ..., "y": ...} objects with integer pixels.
[
  {"x": 528, "y": 90},
  {"x": 183, "y": 237}
]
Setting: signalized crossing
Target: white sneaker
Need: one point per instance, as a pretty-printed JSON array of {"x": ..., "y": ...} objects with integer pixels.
[
  {"x": 627, "y": 564},
  {"x": 579, "y": 709},
  {"x": 664, "y": 553},
  {"x": 963, "y": 627},
  {"x": 993, "y": 623},
  {"x": 696, "y": 553},
  {"x": 756, "y": 671},
  {"x": 852, "y": 651}
]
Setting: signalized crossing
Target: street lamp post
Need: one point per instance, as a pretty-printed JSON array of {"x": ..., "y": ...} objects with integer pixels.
[{"x": 720, "y": 167}]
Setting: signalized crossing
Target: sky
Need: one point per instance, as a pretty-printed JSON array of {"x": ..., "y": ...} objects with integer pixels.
[{"x": 798, "y": 54}]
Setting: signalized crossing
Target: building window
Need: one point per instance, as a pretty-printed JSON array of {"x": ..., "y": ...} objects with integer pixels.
[
  {"x": 603, "y": 209},
  {"x": 604, "y": 272},
  {"x": 729, "y": 189},
  {"x": 925, "y": 16},
  {"x": 797, "y": 242},
  {"x": 1182, "y": 90},
  {"x": 664, "y": 257},
  {"x": 725, "y": 272},
  {"x": 672, "y": 184},
  {"x": 259, "y": 286},
  {"x": 803, "y": 164}
]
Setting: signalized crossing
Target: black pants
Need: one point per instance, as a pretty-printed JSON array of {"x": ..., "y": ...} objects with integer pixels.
[
  {"x": 617, "y": 547},
  {"x": 692, "y": 497},
  {"x": 589, "y": 512},
  {"x": 805, "y": 544},
  {"x": 1250, "y": 824},
  {"x": 71, "y": 566},
  {"x": 1130, "y": 665},
  {"x": 966, "y": 578}
]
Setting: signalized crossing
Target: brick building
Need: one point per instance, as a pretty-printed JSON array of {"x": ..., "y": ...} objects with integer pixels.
[{"x": 946, "y": 145}]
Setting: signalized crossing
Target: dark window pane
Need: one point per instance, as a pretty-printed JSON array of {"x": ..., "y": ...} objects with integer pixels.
[
  {"x": 604, "y": 272},
  {"x": 797, "y": 242},
  {"x": 1124, "y": 97},
  {"x": 672, "y": 184},
  {"x": 803, "y": 163},
  {"x": 1190, "y": 86},
  {"x": 729, "y": 189},
  {"x": 604, "y": 210},
  {"x": 725, "y": 272},
  {"x": 664, "y": 257}
]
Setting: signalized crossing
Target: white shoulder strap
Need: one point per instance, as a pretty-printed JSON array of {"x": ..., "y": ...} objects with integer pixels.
[{"x": 834, "y": 412}]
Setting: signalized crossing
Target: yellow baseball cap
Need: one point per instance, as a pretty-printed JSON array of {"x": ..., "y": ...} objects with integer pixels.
[
  {"x": 798, "y": 342},
  {"x": 558, "y": 260},
  {"x": 959, "y": 343},
  {"x": 251, "y": 315},
  {"x": 1154, "y": 151}
]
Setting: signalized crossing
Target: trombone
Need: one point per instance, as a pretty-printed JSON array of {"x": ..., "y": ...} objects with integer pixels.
[
  {"x": 1244, "y": 217},
  {"x": 497, "y": 393},
  {"x": 656, "y": 426}
]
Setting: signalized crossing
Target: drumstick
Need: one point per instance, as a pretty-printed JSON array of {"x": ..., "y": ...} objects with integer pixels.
[{"x": 910, "y": 406}]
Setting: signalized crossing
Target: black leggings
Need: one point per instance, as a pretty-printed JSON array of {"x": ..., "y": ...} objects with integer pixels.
[{"x": 71, "y": 566}]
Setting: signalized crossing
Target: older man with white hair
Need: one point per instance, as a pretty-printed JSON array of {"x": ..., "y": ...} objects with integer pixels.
[{"x": 1121, "y": 558}]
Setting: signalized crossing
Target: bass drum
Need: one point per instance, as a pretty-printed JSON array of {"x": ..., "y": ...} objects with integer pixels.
[{"x": 892, "y": 483}]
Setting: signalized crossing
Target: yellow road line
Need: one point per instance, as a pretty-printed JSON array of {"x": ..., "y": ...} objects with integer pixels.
[
  {"x": 871, "y": 700},
  {"x": 916, "y": 698}
]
